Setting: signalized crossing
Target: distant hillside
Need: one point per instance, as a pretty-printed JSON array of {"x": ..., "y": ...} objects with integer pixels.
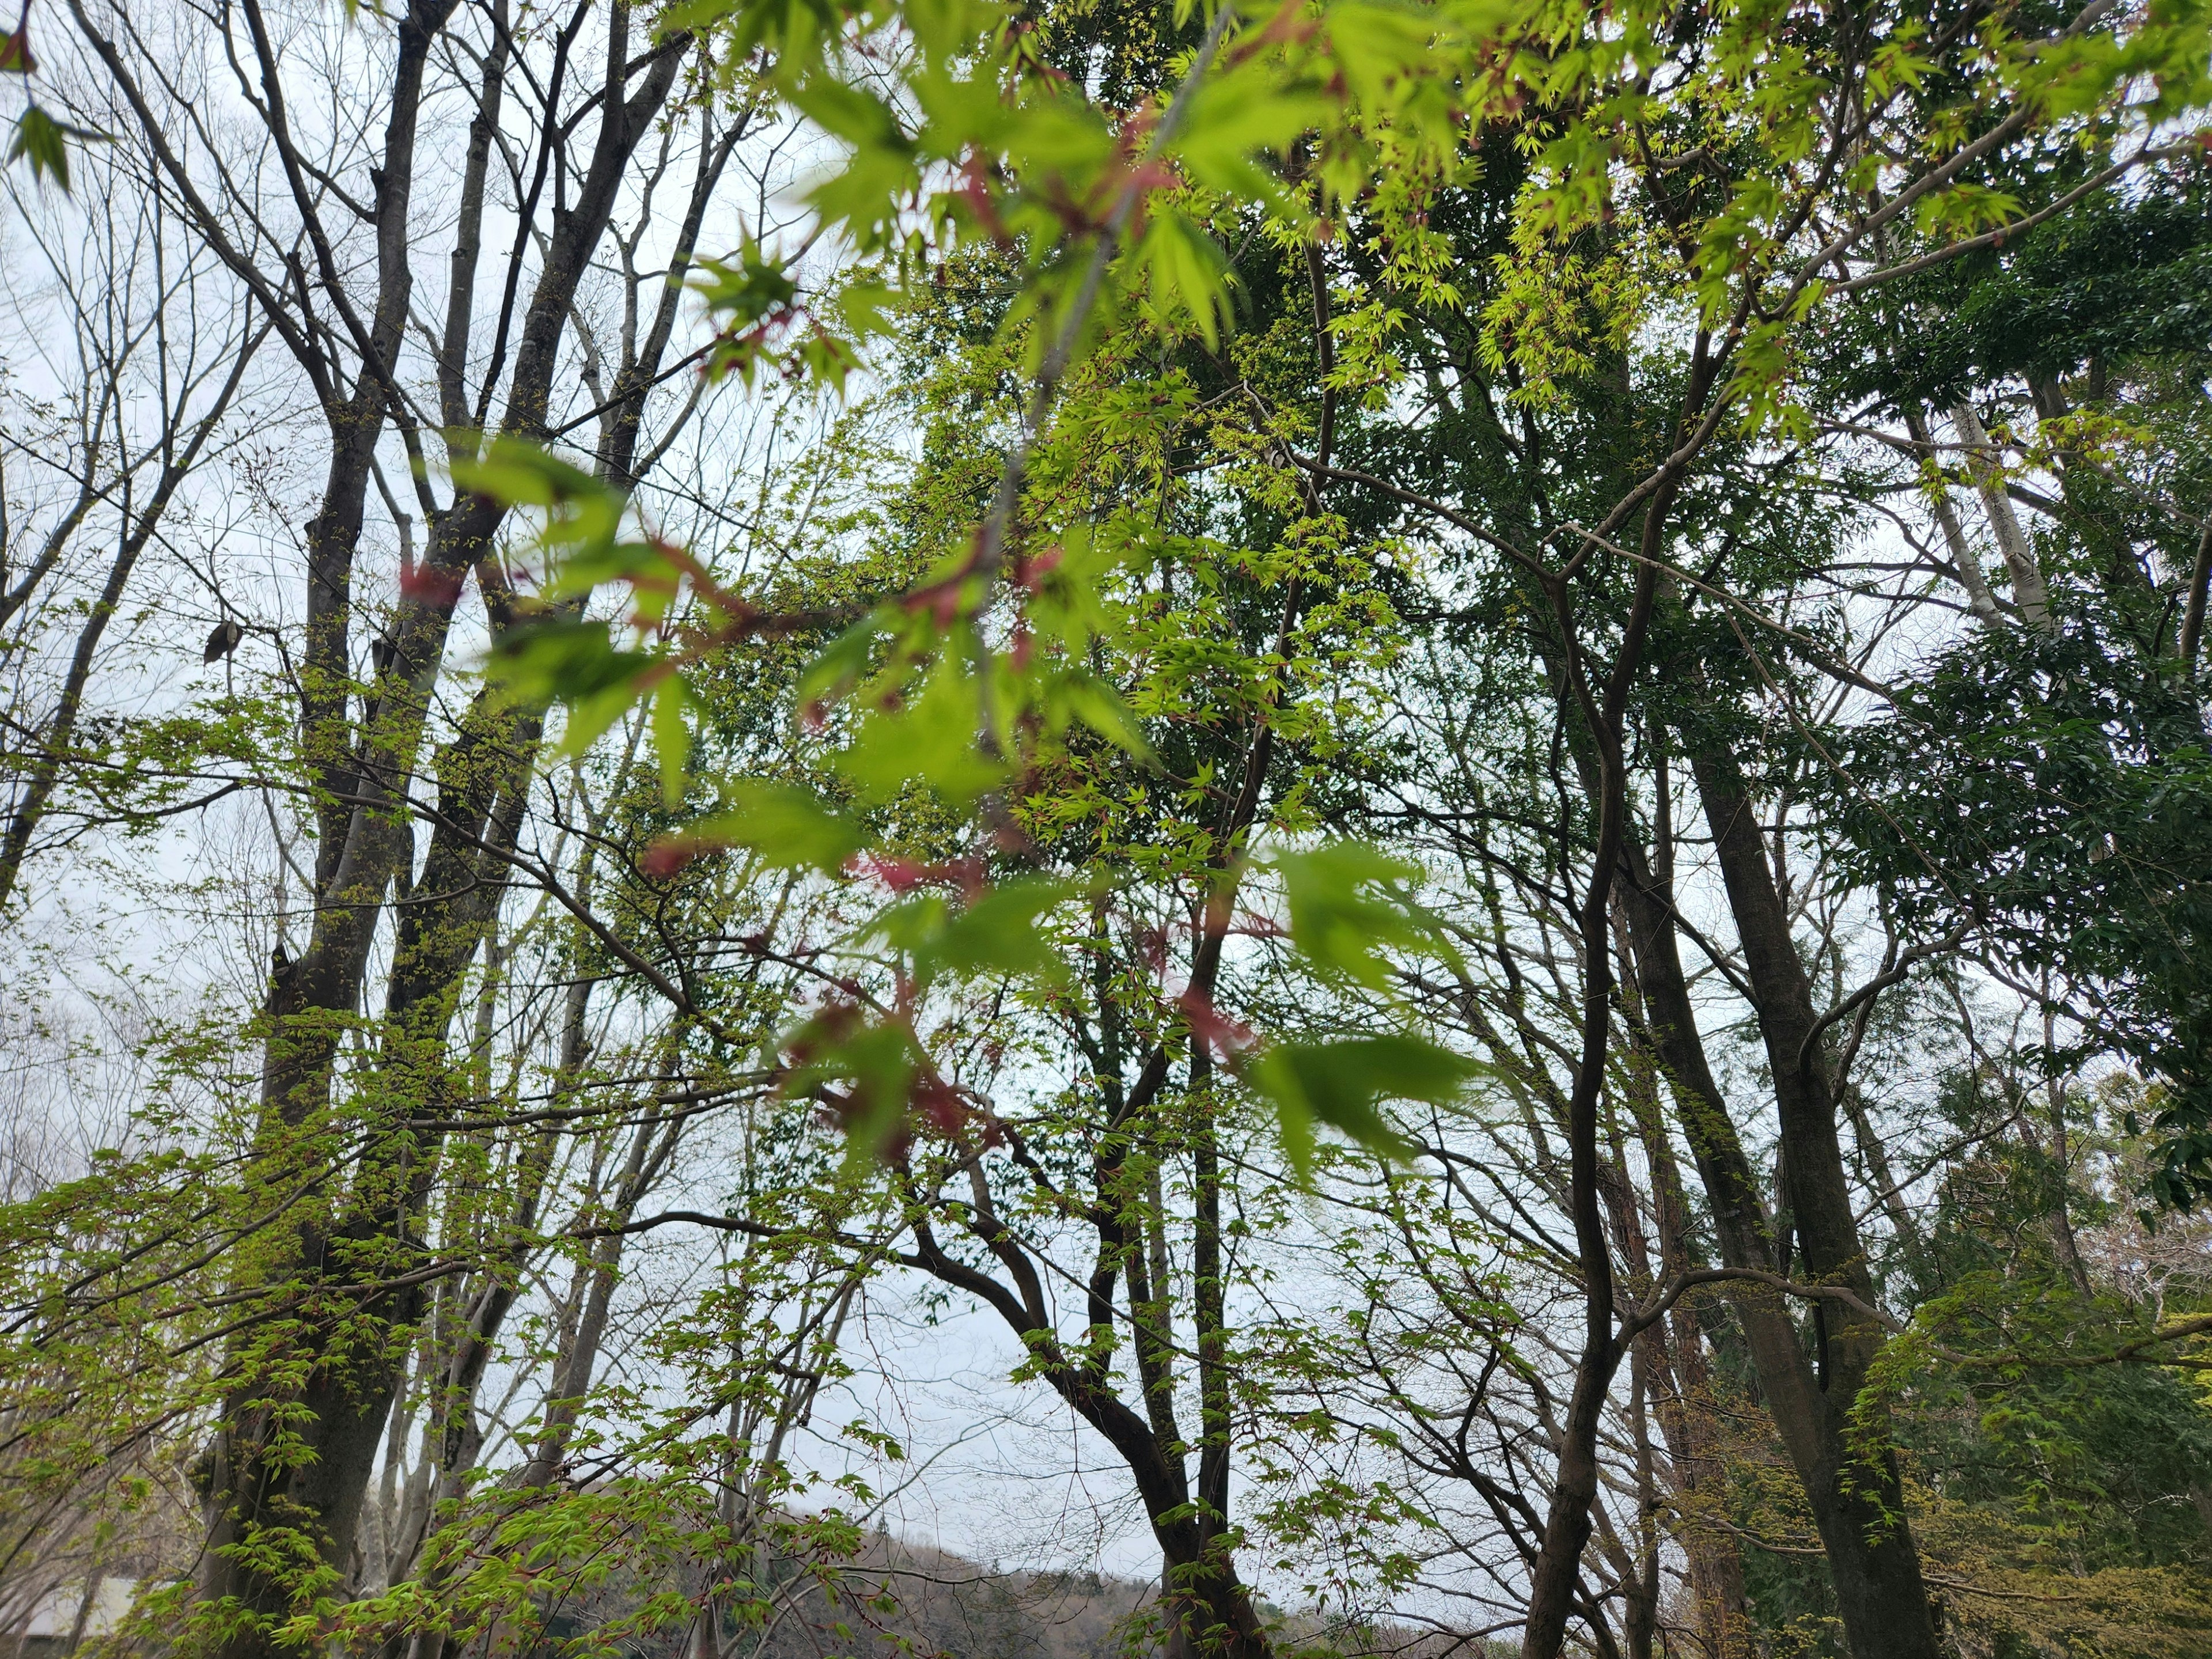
[
  {"x": 944, "y": 1606},
  {"x": 896, "y": 1597}
]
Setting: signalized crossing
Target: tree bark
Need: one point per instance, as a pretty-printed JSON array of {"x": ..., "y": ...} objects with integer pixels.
[
  {"x": 1210, "y": 1610},
  {"x": 1980, "y": 601},
  {"x": 1676, "y": 1352},
  {"x": 1554, "y": 1576},
  {"x": 1854, "y": 1490},
  {"x": 1982, "y": 466}
]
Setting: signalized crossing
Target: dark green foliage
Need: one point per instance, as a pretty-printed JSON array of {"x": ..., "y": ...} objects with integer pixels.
[
  {"x": 2121, "y": 276},
  {"x": 2054, "y": 793}
]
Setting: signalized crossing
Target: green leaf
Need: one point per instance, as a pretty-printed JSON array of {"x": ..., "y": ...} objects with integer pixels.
[
  {"x": 1348, "y": 900},
  {"x": 785, "y": 826},
  {"x": 908, "y": 926},
  {"x": 671, "y": 737},
  {"x": 582, "y": 522},
  {"x": 842, "y": 661},
  {"x": 1188, "y": 272},
  {"x": 929, "y": 741},
  {"x": 1082, "y": 696},
  {"x": 853, "y": 114},
  {"x": 743, "y": 289},
  {"x": 1234, "y": 116},
  {"x": 1339, "y": 1085},
  {"x": 574, "y": 663},
  {"x": 1373, "y": 45},
  {"x": 792, "y": 31},
  {"x": 590, "y": 717},
  {"x": 654, "y": 576},
  {"x": 523, "y": 474},
  {"x": 44, "y": 142},
  {"x": 1001, "y": 933}
]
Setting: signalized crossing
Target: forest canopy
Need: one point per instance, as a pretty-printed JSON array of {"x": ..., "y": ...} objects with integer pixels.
[{"x": 1395, "y": 813}]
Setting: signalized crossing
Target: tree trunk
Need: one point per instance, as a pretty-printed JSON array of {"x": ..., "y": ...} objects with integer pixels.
[
  {"x": 1854, "y": 1492},
  {"x": 1675, "y": 1351},
  {"x": 1982, "y": 466},
  {"x": 1980, "y": 601},
  {"x": 1871, "y": 1563},
  {"x": 1555, "y": 1575},
  {"x": 1209, "y": 1609}
]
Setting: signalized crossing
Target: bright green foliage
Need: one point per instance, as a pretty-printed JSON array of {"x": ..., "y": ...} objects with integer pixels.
[
  {"x": 42, "y": 144},
  {"x": 1340, "y": 1084},
  {"x": 1079, "y": 691}
]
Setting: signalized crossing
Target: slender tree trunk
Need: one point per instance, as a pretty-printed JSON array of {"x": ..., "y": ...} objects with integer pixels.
[
  {"x": 1872, "y": 1563},
  {"x": 2200, "y": 588},
  {"x": 1555, "y": 1575},
  {"x": 1983, "y": 466},
  {"x": 652, "y": 1147},
  {"x": 1210, "y": 1609},
  {"x": 1888, "y": 1190},
  {"x": 81, "y": 1620},
  {"x": 1685, "y": 1405},
  {"x": 1980, "y": 601}
]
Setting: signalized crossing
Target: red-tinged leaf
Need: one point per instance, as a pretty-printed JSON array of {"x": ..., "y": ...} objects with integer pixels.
[
  {"x": 903, "y": 875},
  {"x": 427, "y": 585},
  {"x": 1226, "y": 1037},
  {"x": 671, "y": 854}
]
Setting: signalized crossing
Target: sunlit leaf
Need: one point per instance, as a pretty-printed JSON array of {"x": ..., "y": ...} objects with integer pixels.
[
  {"x": 1341, "y": 1084},
  {"x": 1349, "y": 903},
  {"x": 932, "y": 740},
  {"x": 784, "y": 826}
]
